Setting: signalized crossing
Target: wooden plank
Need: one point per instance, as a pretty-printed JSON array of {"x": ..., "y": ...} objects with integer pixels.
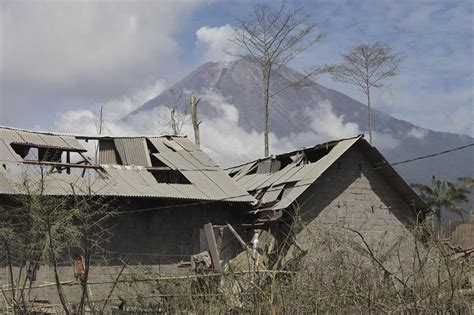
[
  {"x": 159, "y": 168},
  {"x": 237, "y": 236},
  {"x": 61, "y": 164},
  {"x": 211, "y": 242}
]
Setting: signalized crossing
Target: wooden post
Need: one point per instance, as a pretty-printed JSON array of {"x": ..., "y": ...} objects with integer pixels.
[
  {"x": 194, "y": 118},
  {"x": 211, "y": 242},
  {"x": 68, "y": 161}
]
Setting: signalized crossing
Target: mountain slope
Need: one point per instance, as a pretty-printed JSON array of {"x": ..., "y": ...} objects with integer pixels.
[{"x": 294, "y": 111}]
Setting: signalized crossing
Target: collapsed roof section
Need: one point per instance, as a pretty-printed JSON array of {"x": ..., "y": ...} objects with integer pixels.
[
  {"x": 278, "y": 181},
  {"x": 155, "y": 167}
]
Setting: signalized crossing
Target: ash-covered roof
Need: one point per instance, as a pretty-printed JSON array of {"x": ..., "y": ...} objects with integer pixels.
[
  {"x": 155, "y": 167},
  {"x": 278, "y": 181}
]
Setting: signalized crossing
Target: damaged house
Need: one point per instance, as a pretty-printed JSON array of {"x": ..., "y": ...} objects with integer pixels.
[
  {"x": 175, "y": 203},
  {"x": 165, "y": 188},
  {"x": 344, "y": 184}
]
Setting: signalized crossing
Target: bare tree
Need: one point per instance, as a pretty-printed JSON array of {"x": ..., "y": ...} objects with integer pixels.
[
  {"x": 271, "y": 39},
  {"x": 366, "y": 66},
  {"x": 92, "y": 215},
  {"x": 174, "y": 118},
  {"x": 194, "y": 117},
  {"x": 100, "y": 127}
]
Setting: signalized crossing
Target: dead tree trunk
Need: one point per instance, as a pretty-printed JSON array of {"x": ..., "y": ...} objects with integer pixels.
[
  {"x": 266, "y": 101},
  {"x": 196, "y": 123},
  {"x": 174, "y": 124},
  {"x": 369, "y": 118}
]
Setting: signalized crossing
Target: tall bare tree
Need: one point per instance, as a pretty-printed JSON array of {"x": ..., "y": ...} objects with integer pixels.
[
  {"x": 194, "y": 118},
  {"x": 367, "y": 66},
  {"x": 271, "y": 38},
  {"x": 174, "y": 118}
]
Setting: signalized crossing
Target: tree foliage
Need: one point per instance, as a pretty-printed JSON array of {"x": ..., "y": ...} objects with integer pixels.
[{"x": 443, "y": 195}]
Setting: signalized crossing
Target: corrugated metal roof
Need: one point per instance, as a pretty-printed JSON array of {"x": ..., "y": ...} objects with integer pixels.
[
  {"x": 124, "y": 162},
  {"x": 5, "y": 185},
  {"x": 40, "y": 139},
  {"x": 186, "y": 144},
  {"x": 300, "y": 176},
  {"x": 292, "y": 180},
  {"x": 205, "y": 184},
  {"x": 54, "y": 141},
  {"x": 131, "y": 181},
  {"x": 159, "y": 145},
  {"x": 133, "y": 151},
  {"x": 311, "y": 172},
  {"x": 204, "y": 159},
  {"x": 172, "y": 144},
  {"x": 73, "y": 143},
  {"x": 7, "y": 153},
  {"x": 174, "y": 160},
  {"x": 32, "y": 138},
  {"x": 107, "y": 152},
  {"x": 9, "y": 136},
  {"x": 272, "y": 194}
]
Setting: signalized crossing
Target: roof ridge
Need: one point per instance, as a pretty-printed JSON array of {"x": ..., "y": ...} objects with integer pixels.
[{"x": 65, "y": 134}]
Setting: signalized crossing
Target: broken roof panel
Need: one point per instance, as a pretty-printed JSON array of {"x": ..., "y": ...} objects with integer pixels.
[
  {"x": 54, "y": 141},
  {"x": 272, "y": 194},
  {"x": 159, "y": 145},
  {"x": 73, "y": 143},
  {"x": 107, "y": 152},
  {"x": 186, "y": 144},
  {"x": 293, "y": 179},
  {"x": 6, "y": 153},
  {"x": 204, "y": 159},
  {"x": 40, "y": 139},
  {"x": 170, "y": 143},
  {"x": 32, "y": 138},
  {"x": 174, "y": 160},
  {"x": 205, "y": 184},
  {"x": 10, "y": 136},
  {"x": 133, "y": 151},
  {"x": 125, "y": 168}
]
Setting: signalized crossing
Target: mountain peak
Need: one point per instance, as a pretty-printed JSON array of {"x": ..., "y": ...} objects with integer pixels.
[{"x": 311, "y": 110}]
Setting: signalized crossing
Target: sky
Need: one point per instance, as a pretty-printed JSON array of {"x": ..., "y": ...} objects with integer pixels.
[{"x": 60, "y": 61}]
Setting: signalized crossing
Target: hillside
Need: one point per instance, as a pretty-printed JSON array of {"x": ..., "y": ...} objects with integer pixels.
[{"x": 293, "y": 112}]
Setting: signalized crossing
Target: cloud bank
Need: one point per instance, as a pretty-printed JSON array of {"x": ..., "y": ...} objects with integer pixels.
[
  {"x": 56, "y": 56},
  {"x": 213, "y": 44},
  {"x": 221, "y": 136}
]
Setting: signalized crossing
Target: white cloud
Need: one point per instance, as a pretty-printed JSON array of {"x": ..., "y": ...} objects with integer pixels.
[
  {"x": 384, "y": 141},
  {"x": 56, "y": 55},
  {"x": 117, "y": 108},
  {"x": 212, "y": 43},
  {"x": 83, "y": 121},
  {"x": 325, "y": 122},
  {"x": 221, "y": 136},
  {"x": 434, "y": 87},
  {"x": 417, "y": 133}
]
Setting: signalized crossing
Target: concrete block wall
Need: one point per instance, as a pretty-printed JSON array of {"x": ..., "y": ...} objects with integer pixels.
[
  {"x": 169, "y": 235},
  {"x": 156, "y": 240},
  {"x": 351, "y": 194}
]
